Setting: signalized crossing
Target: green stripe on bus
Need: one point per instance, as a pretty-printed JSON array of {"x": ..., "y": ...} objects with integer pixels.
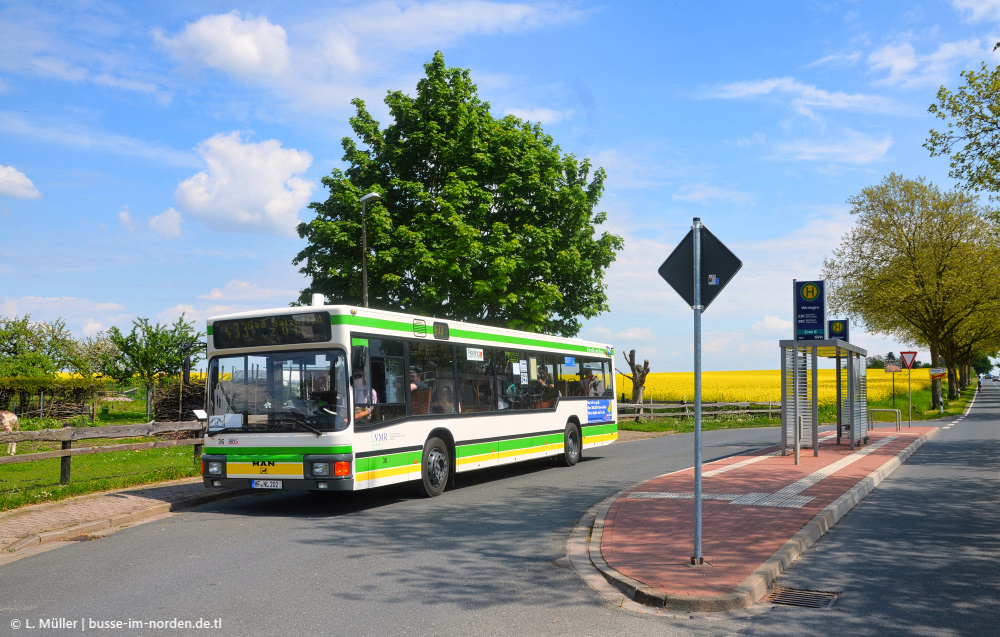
[
  {"x": 374, "y": 463},
  {"x": 278, "y": 451},
  {"x": 209, "y": 330},
  {"x": 464, "y": 451},
  {"x": 597, "y": 430},
  {"x": 459, "y": 333},
  {"x": 518, "y": 444}
]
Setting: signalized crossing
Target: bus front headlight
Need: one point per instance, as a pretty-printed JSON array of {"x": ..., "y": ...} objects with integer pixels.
[
  {"x": 321, "y": 468},
  {"x": 214, "y": 467}
]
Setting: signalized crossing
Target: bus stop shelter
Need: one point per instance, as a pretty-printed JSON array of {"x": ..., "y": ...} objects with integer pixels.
[{"x": 800, "y": 393}]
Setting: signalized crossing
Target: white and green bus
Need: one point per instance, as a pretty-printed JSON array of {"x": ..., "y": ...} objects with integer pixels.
[{"x": 340, "y": 398}]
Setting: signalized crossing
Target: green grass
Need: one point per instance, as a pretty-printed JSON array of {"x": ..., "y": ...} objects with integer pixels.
[
  {"x": 676, "y": 425},
  {"x": 38, "y": 481}
]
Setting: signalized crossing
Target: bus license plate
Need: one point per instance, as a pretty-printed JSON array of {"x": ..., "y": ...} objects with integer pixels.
[{"x": 265, "y": 484}]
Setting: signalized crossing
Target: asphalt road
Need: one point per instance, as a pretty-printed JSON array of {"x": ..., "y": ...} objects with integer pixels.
[
  {"x": 917, "y": 557},
  {"x": 921, "y": 554},
  {"x": 487, "y": 557}
]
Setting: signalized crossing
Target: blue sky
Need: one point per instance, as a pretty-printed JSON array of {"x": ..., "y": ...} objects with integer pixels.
[{"x": 156, "y": 157}]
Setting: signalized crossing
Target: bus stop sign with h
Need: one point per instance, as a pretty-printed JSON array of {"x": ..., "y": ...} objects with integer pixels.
[{"x": 698, "y": 269}]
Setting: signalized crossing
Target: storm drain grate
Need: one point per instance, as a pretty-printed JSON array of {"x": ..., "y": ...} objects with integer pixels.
[{"x": 802, "y": 597}]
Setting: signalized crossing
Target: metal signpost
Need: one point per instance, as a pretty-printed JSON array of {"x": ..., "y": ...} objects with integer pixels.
[
  {"x": 892, "y": 368},
  {"x": 699, "y": 252},
  {"x": 908, "y": 358},
  {"x": 810, "y": 325}
]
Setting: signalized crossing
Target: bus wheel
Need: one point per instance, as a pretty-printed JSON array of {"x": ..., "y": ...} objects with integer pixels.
[
  {"x": 571, "y": 446},
  {"x": 434, "y": 468}
]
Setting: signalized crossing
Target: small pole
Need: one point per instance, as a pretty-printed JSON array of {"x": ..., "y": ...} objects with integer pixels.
[
  {"x": 909, "y": 397},
  {"x": 698, "y": 559}
]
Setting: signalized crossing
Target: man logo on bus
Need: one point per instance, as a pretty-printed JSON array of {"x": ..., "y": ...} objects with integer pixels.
[
  {"x": 809, "y": 292},
  {"x": 838, "y": 327}
]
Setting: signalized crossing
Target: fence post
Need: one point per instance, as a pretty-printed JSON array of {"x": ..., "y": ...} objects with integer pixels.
[{"x": 64, "y": 463}]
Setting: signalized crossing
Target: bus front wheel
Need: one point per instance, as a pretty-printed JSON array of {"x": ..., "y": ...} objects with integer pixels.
[
  {"x": 435, "y": 467},
  {"x": 571, "y": 446}
]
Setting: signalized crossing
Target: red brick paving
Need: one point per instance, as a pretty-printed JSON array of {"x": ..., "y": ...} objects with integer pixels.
[{"x": 652, "y": 540}]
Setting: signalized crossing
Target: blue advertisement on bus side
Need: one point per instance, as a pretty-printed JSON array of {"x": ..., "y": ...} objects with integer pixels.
[{"x": 599, "y": 411}]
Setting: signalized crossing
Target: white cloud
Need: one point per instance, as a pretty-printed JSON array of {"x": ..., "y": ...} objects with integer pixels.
[
  {"x": 195, "y": 315},
  {"x": 125, "y": 218},
  {"x": 409, "y": 25},
  {"x": 774, "y": 326},
  {"x": 14, "y": 183},
  {"x": 167, "y": 224},
  {"x": 246, "y": 291},
  {"x": 851, "y": 147},
  {"x": 905, "y": 68},
  {"x": 92, "y": 327},
  {"x": 106, "y": 79},
  {"x": 979, "y": 10},
  {"x": 79, "y": 137},
  {"x": 57, "y": 306},
  {"x": 804, "y": 97},
  {"x": 541, "y": 115},
  {"x": 837, "y": 59},
  {"x": 751, "y": 140},
  {"x": 248, "y": 187},
  {"x": 246, "y": 48},
  {"x": 704, "y": 193}
]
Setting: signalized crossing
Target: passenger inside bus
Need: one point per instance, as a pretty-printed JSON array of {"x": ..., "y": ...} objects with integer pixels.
[
  {"x": 364, "y": 398},
  {"x": 444, "y": 401}
]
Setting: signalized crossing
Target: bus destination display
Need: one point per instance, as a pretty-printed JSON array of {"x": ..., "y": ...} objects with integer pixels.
[{"x": 262, "y": 331}]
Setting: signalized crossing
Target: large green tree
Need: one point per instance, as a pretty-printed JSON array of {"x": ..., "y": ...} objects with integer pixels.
[
  {"x": 918, "y": 264},
  {"x": 480, "y": 219},
  {"x": 972, "y": 138}
]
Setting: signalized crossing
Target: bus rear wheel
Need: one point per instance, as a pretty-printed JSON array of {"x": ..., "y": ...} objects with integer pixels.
[
  {"x": 571, "y": 446},
  {"x": 435, "y": 467}
]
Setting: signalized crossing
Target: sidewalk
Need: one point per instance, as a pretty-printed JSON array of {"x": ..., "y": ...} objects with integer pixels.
[
  {"x": 759, "y": 513},
  {"x": 82, "y": 516}
]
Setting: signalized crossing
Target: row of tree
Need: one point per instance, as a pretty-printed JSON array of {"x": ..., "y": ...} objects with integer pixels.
[
  {"x": 923, "y": 264},
  {"x": 41, "y": 349}
]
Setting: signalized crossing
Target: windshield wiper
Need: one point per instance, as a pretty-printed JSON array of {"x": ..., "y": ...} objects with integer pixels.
[{"x": 298, "y": 420}]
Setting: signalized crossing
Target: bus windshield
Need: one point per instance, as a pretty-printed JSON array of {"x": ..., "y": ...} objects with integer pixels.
[{"x": 279, "y": 392}]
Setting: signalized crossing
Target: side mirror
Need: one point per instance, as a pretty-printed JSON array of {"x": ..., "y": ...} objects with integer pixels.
[{"x": 200, "y": 414}]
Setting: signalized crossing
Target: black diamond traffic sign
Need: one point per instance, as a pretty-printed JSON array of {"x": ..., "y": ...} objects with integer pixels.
[{"x": 718, "y": 266}]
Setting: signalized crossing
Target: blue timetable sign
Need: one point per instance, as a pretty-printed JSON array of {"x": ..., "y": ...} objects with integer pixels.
[
  {"x": 839, "y": 329},
  {"x": 810, "y": 311}
]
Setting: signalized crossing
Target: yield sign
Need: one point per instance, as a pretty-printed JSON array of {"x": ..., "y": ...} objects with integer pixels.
[{"x": 908, "y": 358}]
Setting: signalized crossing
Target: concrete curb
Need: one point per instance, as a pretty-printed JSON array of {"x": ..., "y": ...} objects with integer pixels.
[
  {"x": 755, "y": 586},
  {"x": 86, "y": 528}
]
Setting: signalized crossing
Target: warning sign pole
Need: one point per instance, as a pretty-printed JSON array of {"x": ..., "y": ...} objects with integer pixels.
[{"x": 908, "y": 358}]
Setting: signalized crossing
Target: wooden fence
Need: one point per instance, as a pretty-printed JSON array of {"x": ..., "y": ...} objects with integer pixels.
[
  {"x": 68, "y": 435},
  {"x": 708, "y": 410}
]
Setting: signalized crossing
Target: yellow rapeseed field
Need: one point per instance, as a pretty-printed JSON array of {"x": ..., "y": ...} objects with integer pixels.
[{"x": 761, "y": 386}]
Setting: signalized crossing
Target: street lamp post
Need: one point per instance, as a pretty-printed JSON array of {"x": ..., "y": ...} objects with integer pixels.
[{"x": 372, "y": 196}]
